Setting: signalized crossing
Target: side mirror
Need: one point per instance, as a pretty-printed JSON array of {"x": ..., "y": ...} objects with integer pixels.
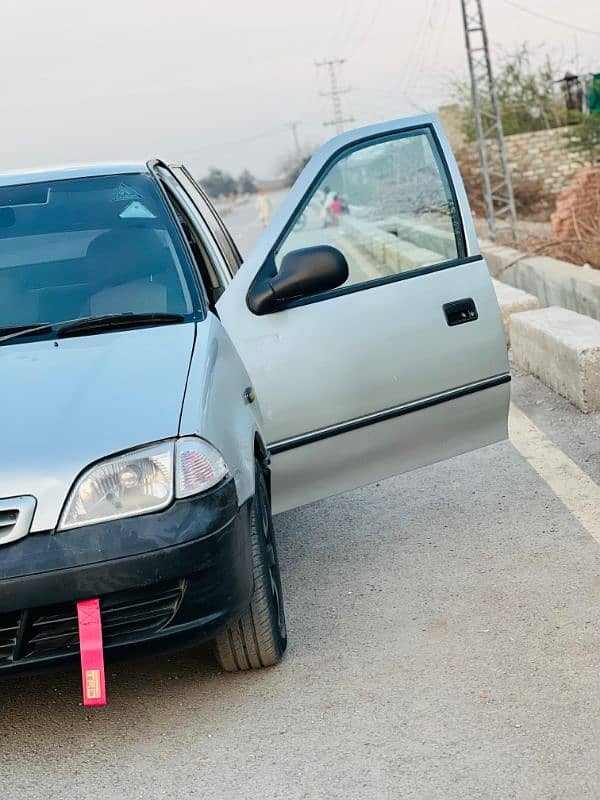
[{"x": 303, "y": 272}]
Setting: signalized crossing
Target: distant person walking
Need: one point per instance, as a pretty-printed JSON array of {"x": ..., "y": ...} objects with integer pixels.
[
  {"x": 335, "y": 209},
  {"x": 263, "y": 204},
  {"x": 326, "y": 212}
]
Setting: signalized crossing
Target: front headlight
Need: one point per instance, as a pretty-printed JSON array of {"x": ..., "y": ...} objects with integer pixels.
[
  {"x": 142, "y": 481},
  {"x": 134, "y": 483}
]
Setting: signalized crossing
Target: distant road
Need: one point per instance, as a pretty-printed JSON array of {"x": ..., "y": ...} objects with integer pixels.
[
  {"x": 245, "y": 227},
  {"x": 244, "y": 224}
]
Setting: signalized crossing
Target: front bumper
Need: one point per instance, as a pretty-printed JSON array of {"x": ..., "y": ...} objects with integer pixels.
[{"x": 184, "y": 572}]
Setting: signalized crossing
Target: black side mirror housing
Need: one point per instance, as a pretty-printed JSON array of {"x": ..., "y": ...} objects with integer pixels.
[{"x": 304, "y": 272}]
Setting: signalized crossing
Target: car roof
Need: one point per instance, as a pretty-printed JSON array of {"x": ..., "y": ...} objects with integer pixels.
[{"x": 43, "y": 174}]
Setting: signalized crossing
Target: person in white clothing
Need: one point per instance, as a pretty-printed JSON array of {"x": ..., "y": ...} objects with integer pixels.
[{"x": 263, "y": 204}]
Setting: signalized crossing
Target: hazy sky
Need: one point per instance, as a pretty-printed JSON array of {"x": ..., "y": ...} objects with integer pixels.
[{"x": 215, "y": 82}]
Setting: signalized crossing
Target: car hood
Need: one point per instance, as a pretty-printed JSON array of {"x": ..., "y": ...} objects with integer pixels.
[{"x": 67, "y": 403}]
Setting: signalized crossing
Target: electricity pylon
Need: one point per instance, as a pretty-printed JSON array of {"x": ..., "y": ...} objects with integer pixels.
[
  {"x": 497, "y": 186},
  {"x": 335, "y": 92}
]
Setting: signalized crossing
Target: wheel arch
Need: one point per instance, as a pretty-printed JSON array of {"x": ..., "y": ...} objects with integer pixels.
[{"x": 262, "y": 455}]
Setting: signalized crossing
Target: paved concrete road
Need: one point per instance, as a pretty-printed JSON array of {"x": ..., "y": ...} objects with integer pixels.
[
  {"x": 244, "y": 224},
  {"x": 444, "y": 644}
]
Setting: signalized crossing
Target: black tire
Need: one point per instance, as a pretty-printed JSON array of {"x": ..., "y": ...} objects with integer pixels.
[{"x": 259, "y": 637}]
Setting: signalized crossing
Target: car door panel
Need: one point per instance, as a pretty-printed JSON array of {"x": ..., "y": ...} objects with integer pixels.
[
  {"x": 401, "y": 443},
  {"x": 366, "y": 344},
  {"x": 381, "y": 374},
  {"x": 371, "y": 380}
]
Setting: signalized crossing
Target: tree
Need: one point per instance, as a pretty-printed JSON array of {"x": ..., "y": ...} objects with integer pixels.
[
  {"x": 292, "y": 166},
  {"x": 218, "y": 183},
  {"x": 246, "y": 183},
  {"x": 527, "y": 95}
]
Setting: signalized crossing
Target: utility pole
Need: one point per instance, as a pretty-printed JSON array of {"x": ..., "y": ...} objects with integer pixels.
[
  {"x": 497, "y": 186},
  {"x": 338, "y": 120},
  {"x": 293, "y": 126}
]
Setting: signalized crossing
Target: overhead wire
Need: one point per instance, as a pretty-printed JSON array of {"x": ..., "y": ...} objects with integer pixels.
[
  {"x": 341, "y": 21},
  {"x": 232, "y": 142},
  {"x": 346, "y": 38},
  {"x": 417, "y": 48},
  {"x": 417, "y": 51},
  {"x": 427, "y": 71},
  {"x": 555, "y": 21},
  {"x": 365, "y": 34},
  {"x": 423, "y": 56}
]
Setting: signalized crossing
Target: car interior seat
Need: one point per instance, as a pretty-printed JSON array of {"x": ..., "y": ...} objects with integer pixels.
[{"x": 130, "y": 270}]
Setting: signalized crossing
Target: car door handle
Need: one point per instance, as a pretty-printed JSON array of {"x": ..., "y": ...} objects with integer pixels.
[{"x": 460, "y": 311}]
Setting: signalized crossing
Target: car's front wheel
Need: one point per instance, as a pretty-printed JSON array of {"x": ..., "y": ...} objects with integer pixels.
[{"x": 259, "y": 637}]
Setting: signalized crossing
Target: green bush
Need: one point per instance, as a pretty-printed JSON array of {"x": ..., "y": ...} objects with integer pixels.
[{"x": 527, "y": 95}]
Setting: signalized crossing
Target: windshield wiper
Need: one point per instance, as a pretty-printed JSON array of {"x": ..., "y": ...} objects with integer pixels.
[
  {"x": 25, "y": 330},
  {"x": 90, "y": 325}
]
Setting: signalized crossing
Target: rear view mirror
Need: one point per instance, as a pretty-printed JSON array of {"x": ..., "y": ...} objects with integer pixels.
[{"x": 304, "y": 272}]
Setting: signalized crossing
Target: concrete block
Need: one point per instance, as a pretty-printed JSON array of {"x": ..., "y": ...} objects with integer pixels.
[
  {"x": 562, "y": 348},
  {"x": 429, "y": 237},
  {"x": 393, "y": 252},
  {"x": 412, "y": 257},
  {"x": 512, "y": 301},
  {"x": 377, "y": 242},
  {"x": 348, "y": 228},
  {"x": 402, "y": 256},
  {"x": 353, "y": 228},
  {"x": 553, "y": 282}
]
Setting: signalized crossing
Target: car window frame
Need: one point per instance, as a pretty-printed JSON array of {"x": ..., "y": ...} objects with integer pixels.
[
  {"x": 211, "y": 217},
  {"x": 268, "y": 268},
  {"x": 202, "y": 260},
  {"x": 168, "y": 180}
]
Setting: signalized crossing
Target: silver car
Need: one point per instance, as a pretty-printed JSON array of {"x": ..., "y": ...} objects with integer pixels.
[{"x": 160, "y": 399}]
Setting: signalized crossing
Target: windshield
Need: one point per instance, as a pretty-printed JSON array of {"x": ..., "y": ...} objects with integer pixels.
[{"x": 88, "y": 247}]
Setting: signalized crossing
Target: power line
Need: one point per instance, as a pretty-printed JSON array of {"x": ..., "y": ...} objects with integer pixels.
[
  {"x": 232, "y": 142},
  {"x": 341, "y": 20},
  {"x": 349, "y": 31},
  {"x": 365, "y": 34},
  {"x": 555, "y": 21},
  {"x": 442, "y": 19},
  {"x": 335, "y": 92},
  {"x": 422, "y": 55},
  {"x": 418, "y": 44}
]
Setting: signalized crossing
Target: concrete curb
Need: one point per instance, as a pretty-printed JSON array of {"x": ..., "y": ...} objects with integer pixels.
[
  {"x": 562, "y": 348},
  {"x": 512, "y": 301},
  {"x": 553, "y": 282},
  {"x": 559, "y": 343}
]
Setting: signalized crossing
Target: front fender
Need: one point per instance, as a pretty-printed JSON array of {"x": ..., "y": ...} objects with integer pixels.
[{"x": 216, "y": 404}]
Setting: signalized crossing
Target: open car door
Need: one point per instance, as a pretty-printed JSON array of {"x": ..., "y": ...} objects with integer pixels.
[{"x": 405, "y": 362}]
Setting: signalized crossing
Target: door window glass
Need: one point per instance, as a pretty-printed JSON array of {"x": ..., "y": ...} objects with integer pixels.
[{"x": 386, "y": 205}]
